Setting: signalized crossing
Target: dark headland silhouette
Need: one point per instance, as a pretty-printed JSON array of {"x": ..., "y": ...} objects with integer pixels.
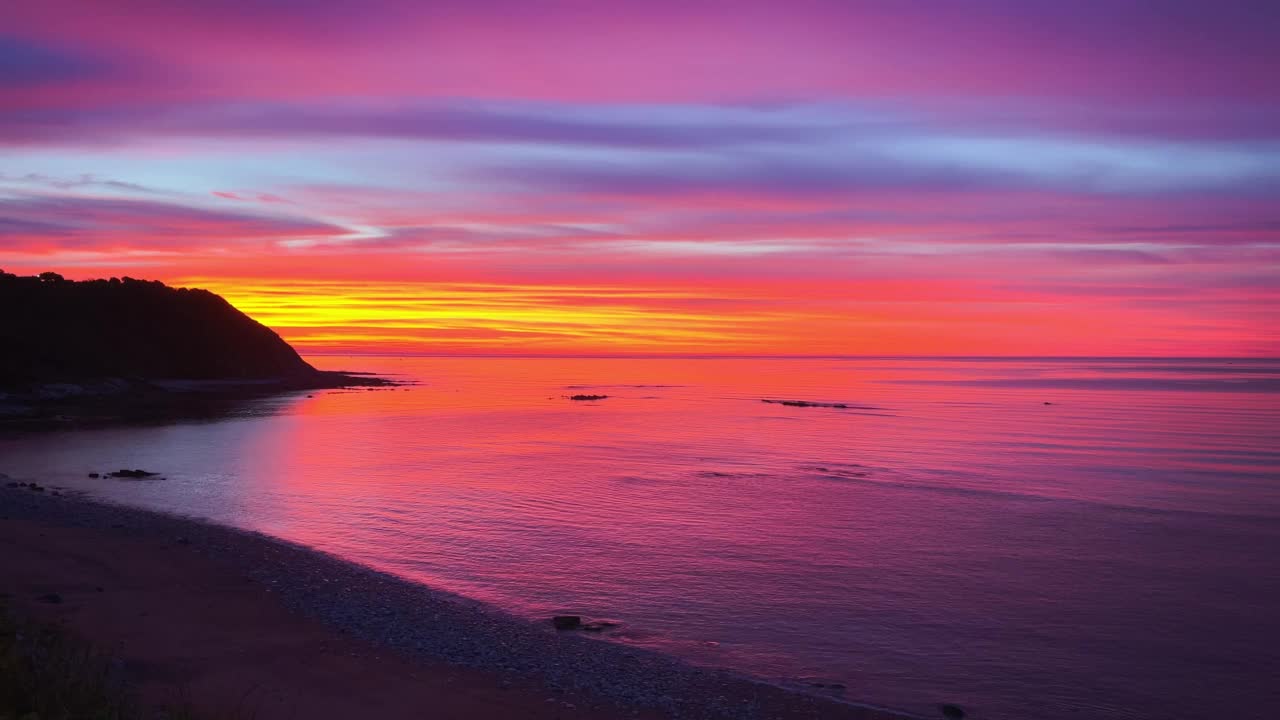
[{"x": 139, "y": 346}]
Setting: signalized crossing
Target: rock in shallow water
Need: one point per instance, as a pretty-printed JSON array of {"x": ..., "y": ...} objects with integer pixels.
[
  {"x": 575, "y": 622},
  {"x": 567, "y": 622},
  {"x": 808, "y": 404},
  {"x": 132, "y": 474}
]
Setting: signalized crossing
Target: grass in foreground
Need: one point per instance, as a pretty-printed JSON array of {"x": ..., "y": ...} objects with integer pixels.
[{"x": 46, "y": 674}]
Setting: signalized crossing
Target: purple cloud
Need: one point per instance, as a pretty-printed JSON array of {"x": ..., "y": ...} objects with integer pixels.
[
  {"x": 27, "y": 63},
  {"x": 83, "y": 222}
]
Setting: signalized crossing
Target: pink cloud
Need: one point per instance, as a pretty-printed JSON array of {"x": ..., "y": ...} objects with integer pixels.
[
  {"x": 760, "y": 50},
  {"x": 1032, "y": 176}
]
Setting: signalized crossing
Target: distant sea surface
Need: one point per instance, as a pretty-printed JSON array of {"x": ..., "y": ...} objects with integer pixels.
[{"x": 1029, "y": 539}]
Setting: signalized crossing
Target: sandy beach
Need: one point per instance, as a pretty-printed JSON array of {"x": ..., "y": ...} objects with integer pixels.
[{"x": 239, "y": 624}]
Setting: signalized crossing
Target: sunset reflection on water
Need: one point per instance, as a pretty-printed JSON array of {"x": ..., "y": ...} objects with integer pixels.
[{"x": 958, "y": 520}]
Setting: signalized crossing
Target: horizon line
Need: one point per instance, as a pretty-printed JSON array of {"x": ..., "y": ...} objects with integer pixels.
[{"x": 766, "y": 356}]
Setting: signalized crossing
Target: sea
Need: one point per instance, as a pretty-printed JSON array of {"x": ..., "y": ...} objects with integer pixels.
[{"x": 1045, "y": 538}]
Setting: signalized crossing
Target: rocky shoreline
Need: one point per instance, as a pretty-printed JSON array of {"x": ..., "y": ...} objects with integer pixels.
[
  {"x": 438, "y": 627},
  {"x": 93, "y": 403}
]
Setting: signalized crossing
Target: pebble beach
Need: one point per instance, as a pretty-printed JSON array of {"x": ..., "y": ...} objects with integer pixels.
[{"x": 532, "y": 664}]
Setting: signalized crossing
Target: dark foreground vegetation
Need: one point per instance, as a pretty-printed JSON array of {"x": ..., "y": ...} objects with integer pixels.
[{"x": 46, "y": 674}]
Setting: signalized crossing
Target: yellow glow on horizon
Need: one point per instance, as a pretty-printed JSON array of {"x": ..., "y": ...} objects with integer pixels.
[{"x": 320, "y": 315}]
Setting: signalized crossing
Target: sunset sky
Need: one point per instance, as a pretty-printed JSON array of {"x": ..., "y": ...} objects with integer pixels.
[{"x": 985, "y": 177}]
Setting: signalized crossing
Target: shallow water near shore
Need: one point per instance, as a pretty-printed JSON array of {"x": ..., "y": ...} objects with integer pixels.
[{"x": 1026, "y": 538}]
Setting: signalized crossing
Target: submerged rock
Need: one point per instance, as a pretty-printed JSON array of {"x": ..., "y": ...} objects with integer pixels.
[
  {"x": 94, "y": 475},
  {"x": 952, "y": 712},
  {"x": 51, "y": 598},
  {"x": 826, "y": 685},
  {"x": 575, "y": 622},
  {"x": 588, "y": 397},
  {"x": 812, "y": 403},
  {"x": 567, "y": 622},
  {"x": 132, "y": 474}
]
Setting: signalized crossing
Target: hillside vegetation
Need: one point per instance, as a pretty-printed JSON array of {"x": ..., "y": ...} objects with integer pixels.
[{"x": 54, "y": 329}]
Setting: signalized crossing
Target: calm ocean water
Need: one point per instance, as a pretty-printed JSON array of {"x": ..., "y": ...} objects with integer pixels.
[{"x": 1027, "y": 538}]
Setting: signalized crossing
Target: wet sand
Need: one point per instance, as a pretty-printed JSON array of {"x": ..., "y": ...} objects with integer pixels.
[{"x": 240, "y": 624}]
